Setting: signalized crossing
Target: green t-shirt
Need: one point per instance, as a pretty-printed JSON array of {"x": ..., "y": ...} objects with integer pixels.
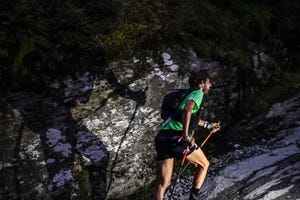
[{"x": 196, "y": 96}]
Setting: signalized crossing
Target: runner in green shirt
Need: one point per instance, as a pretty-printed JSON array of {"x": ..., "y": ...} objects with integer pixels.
[{"x": 173, "y": 137}]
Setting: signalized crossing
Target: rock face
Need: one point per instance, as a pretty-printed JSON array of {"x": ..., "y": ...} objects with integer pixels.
[
  {"x": 45, "y": 147},
  {"x": 270, "y": 170},
  {"x": 92, "y": 135}
]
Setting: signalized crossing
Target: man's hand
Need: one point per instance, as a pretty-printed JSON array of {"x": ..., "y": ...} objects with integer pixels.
[
  {"x": 187, "y": 140},
  {"x": 216, "y": 126}
]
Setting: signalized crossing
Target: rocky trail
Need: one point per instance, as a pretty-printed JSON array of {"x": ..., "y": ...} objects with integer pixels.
[{"x": 269, "y": 170}]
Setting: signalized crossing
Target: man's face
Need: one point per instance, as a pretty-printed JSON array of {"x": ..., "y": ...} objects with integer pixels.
[{"x": 206, "y": 86}]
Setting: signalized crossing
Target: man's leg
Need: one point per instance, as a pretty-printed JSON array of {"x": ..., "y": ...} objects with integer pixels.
[
  {"x": 165, "y": 169},
  {"x": 199, "y": 159}
]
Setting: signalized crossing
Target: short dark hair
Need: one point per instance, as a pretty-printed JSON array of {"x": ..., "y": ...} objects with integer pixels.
[{"x": 197, "y": 77}]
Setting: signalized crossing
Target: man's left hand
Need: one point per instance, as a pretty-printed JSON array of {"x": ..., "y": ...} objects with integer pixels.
[{"x": 216, "y": 126}]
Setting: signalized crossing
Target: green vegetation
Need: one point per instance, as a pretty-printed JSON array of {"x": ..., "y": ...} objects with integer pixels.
[
  {"x": 228, "y": 31},
  {"x": 18, "y": 71},
  {"x": 287, "y": 85}
]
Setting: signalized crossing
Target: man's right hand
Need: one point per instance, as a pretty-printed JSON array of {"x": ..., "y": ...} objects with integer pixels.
[{"x": 187, "y": 140}]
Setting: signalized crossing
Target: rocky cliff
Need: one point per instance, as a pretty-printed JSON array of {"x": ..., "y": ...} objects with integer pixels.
[
  {"x": 81, "y": 85},
  {"x": 92, "y": 135}
]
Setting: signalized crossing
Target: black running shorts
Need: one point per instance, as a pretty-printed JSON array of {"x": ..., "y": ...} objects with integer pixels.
[{"x": 167, "y": 145}]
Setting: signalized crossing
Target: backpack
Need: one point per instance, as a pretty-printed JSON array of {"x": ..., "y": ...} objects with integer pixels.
[{"x": 171, "y": 101}]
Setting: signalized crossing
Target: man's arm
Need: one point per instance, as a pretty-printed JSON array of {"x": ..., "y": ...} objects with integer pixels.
[
  {"x": 214, "y": 127},
  {"x": 186, "y": 116}
]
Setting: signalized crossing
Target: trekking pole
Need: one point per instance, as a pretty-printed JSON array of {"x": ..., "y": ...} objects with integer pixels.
[
  {"x": 202, "y": 144},
  {"x": 181, "y": 165},
  {"x": 205, "y": 140},
  {"x": 181, "y": 170}
]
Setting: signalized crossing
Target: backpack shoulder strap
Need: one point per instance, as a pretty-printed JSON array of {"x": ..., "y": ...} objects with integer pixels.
[{"x": 176, "y": 114}]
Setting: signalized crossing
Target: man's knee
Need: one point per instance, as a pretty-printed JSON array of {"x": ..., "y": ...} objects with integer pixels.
[
  {"x": 206, "y": 164},
  {"x": 203, "y": 164}
]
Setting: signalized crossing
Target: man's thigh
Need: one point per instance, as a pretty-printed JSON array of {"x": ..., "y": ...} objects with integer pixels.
[{"x": 197, "y": 157}]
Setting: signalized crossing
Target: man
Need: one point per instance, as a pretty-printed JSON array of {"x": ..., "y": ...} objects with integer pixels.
[{"x": 173, "y": 137}]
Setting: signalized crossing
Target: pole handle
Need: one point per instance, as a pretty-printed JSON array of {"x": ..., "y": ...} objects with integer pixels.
[{"x": 186, "y": 150}]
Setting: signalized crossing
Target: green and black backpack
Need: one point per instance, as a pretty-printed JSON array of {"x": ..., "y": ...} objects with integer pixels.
[{"x": 170, "y": 106}]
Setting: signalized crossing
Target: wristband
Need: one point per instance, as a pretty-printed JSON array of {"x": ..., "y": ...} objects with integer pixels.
[
  {"x": 187, "y": 139},
  {"x": 208, "y": 125}
]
